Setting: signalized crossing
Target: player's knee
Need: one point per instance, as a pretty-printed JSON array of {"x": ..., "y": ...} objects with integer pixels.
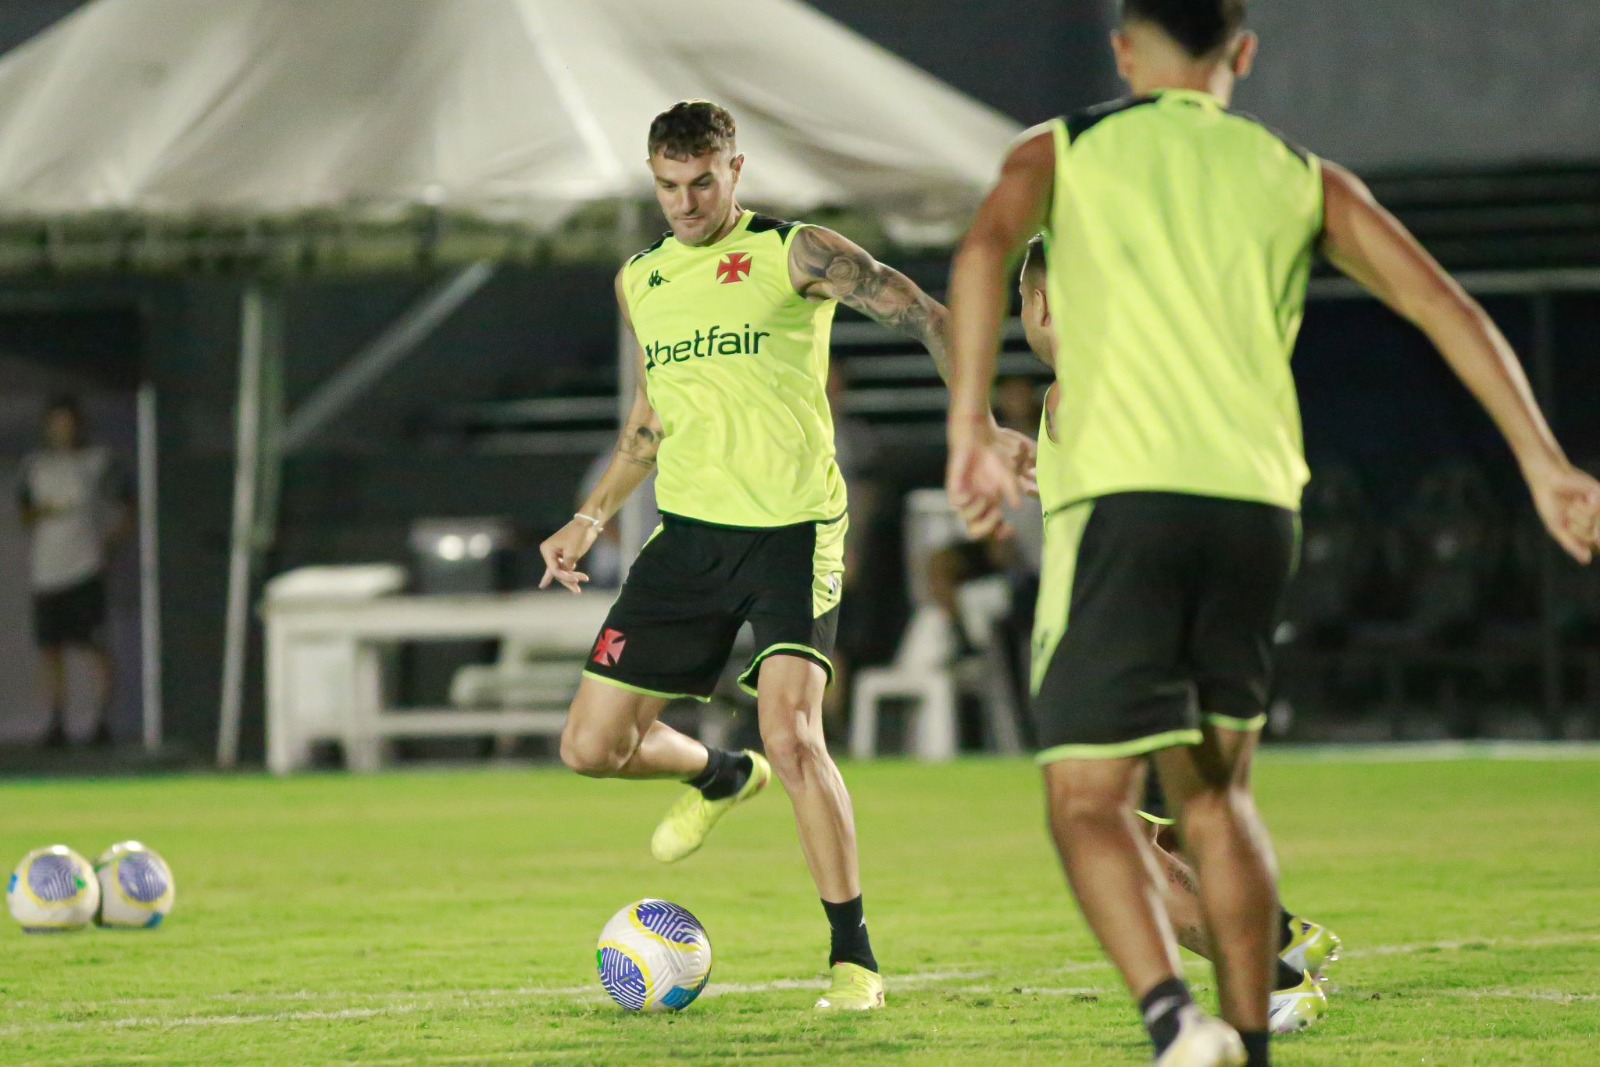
[
  {"x": 792, "y": 749},
  {"x": 1224, "y": 809},
  {"x": 1083, "y": 807},
  {"x": 593, "y": 755}
]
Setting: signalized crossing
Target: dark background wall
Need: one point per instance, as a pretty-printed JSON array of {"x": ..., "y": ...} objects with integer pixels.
[
  {"x": 1402, "y": 84},
  {"x": 1344, "y": 82}
]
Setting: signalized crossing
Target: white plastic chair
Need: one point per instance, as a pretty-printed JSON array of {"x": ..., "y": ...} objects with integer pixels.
[{"x": 921, "y": 672}]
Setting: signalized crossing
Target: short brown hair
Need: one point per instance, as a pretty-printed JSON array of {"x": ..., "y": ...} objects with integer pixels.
[{"x": 691, "y": 128}]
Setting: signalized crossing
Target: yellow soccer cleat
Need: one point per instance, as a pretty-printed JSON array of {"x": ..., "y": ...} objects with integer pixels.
[
  {"x": 1203, "y": 1042},
  {"x": 1313, "y": 948},
  {"x": 1298, "y": 1008},
  {"x": 690, "y": 819},
  {"x": 854, "y": 988}
]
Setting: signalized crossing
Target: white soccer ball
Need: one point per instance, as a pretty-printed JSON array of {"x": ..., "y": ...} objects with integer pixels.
[
  {"x": 654, "y": 956},
  {"x": 136, "y": 886},
  {"x": 53, "y": 889}
]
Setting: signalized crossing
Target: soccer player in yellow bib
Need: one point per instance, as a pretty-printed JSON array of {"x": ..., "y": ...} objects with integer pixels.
[
  {"x": 1179, "y": 239},
  {"x": 1304, "y": 947},
  {"x": 731, "y": 313}
]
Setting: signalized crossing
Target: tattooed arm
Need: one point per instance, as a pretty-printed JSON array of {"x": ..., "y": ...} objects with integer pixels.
[
  {"x": 823, "y": 266},
  {"x": 631, "y": 464}
]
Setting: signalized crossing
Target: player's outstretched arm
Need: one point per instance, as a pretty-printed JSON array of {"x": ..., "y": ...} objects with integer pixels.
[
  {"x": 825, "y": 265},
  {"x": 1370, "y": 245},
  {"x": 978, "y": 480},
  {"x": 630, "y": 465}
]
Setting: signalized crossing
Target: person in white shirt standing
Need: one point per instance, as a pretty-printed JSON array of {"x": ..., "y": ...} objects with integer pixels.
[{"x": 76, "y": 508}]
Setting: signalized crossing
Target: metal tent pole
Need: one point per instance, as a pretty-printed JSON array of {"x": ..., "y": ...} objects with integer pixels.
[
  {"x": 149, "y": 569},
  {"x": 259, "y": 331},
  {"x": 379, "y": 357}
]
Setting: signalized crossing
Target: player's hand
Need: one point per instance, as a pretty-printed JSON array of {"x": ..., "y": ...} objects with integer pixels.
[
  {"x": 1022, "y": 452},
  {"x": 1569, "y": 504},
  {"x": 981, "y": 478},
  {"x": 562, "y": 551}
]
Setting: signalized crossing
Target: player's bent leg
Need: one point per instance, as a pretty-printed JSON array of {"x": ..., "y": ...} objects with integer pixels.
[
  {"x": 1298, "y": 1000},
  {"x": 789, "y": 704},
  {"x": 1225, "y": 837},
  {"x": 729, "y": 780},
  {"x": 614, "y": 733},
  {"x": 1180, "y": 893}
]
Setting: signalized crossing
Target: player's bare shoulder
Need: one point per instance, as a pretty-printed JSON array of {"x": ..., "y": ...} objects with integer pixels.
[
  {"x": 1034, "y": 146},
  {"x": 826, "y": 265}
]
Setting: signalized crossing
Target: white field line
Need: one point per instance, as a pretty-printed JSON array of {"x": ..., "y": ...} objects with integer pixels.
[
  {"x": 1472, "y": 943},
  {"x": 409, "y": 1002},
  {"x": 1518, "y": 994}
]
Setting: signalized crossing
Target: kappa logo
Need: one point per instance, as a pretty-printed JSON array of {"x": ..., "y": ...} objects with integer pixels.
[
  {"x": 733, "y": 268},
  {"x": 609, "y": 648},
  {"x": 656, "y": 279}
]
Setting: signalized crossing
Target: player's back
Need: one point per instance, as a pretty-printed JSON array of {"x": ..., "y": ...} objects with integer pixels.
[{"x": 1180, "y": 245}]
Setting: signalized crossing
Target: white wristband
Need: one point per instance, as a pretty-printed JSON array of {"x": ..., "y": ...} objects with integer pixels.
[{"x": 596, "y": 523}]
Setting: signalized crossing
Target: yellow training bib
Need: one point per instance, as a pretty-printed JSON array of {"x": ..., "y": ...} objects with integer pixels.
[{"x": 736, "y": 364}]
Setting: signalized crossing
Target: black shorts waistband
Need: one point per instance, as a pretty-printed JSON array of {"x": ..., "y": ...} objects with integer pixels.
[{"x": 668, "y": 518}]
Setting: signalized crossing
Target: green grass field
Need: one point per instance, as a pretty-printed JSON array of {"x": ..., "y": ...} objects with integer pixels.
[{"x": 450, "y": 917}]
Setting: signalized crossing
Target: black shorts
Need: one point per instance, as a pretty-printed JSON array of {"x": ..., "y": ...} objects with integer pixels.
[
  {"x": 673, "y": 626},
  {"x": 73, "y": 616},
  {"x": 1156, "y": 612}
]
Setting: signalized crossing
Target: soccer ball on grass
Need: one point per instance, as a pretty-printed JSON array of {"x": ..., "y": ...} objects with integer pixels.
[
  {"x": 52, "y": 890},
  {"x": 136, "y": 887},
  {"x": 654, "y": 956}
]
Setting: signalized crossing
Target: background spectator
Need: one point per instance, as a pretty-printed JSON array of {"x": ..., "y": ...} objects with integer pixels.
[{"x": 76, "y": 507}]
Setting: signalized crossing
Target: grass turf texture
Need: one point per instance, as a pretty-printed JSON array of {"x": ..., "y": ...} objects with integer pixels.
[{"x": 451, "y": 918}]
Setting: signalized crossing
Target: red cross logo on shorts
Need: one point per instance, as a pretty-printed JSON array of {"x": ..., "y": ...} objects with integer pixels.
[
  {"x": 608, "y": 649},
  {"x": 733, "y": 268}
]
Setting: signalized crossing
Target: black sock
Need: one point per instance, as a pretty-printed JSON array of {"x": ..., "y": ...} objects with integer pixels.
[
  {"x": 725, "y": 774},
  {"x": 1256, "y": 1050},
  {"x": 1286, "y": 930},
  {"x": 1287, "y": 978},
  {"x": 850, "y": 943},
  {"x": 1160, "y": 1008}
]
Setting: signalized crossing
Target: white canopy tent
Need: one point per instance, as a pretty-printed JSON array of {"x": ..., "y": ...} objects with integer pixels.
[
  {"x": 522, "y": 112},
  {"x": 251, "y": 135}
]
